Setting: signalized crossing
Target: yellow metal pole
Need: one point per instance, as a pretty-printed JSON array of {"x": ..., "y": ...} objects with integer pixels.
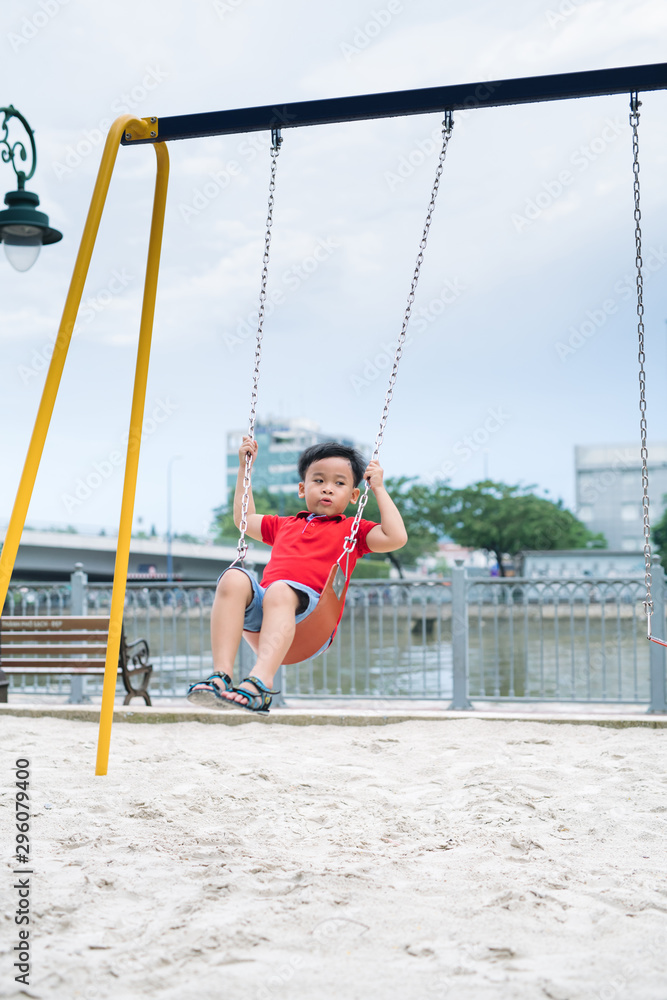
[
  {"x": 132, "y": 460},
  {"x": 36, "y": 447}
]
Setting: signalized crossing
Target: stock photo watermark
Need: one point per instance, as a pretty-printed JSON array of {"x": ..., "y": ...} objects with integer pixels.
[
  {"x": 90, "y": 309},
  {"x": 102, "y": 471},
  {"x": 421, "y": 318},
  {"x": 426, "y": 148},
  {"x": 223, "y": 7},
  {"x": 471, "y": 444},
  {"x": 598, "y": 483},
  {"x": 32, "y": 25},
  {"x": 126, "y": 103},
  {"x": 566, "y": 8},
  {"x": 219, "y": 180},
  {"x": 21, "y": 949},
  {"x": 365, "y": 34},
  {"x": 291, "y": 279},
  {"x": 625, "y": 288},
  {"x": 276, "y": 983},
  {"x": 580, "y": 159},
  {"x": 622, "y": 980}
]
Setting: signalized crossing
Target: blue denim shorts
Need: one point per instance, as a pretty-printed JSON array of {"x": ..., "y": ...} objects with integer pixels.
[{"x": 254, "y": 612}]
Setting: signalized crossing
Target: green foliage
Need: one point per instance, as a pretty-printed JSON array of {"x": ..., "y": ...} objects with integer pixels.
[
  {"x": 372, "y": 568},
  {"x": 266, "y": 502},
  {"x": 410, "y": 498},
  {"x": 659, "y": 536},
  {"x": 183, "y": 536},
  {"x": 505, "y": 519}
]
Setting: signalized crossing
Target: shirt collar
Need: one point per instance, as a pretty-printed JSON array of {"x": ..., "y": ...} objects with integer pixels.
[{"x": 320, "y": 517}]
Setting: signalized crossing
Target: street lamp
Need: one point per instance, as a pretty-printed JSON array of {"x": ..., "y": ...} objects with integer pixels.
[
  {"x": 23, "y": 230},
  {"x": 170, "y": 565}
]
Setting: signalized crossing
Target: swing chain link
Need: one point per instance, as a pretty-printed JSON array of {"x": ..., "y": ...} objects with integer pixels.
[
  {"x": 242, "y": 547},
  {"x": 635, "y": 104},
  {"x": 447, "y": 127}
]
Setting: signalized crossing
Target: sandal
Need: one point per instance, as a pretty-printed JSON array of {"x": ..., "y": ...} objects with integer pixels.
[
  {"x": 206, "y": 693},
  {"x": 258, "y": 703}
]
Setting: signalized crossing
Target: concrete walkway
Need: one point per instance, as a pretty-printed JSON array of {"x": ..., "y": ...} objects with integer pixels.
[{"x": 338, "y": 713}]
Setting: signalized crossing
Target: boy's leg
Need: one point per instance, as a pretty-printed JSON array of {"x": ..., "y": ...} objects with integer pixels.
[
  {"x": 275, "y": 638},
  {"x": 232, "y": 596}
]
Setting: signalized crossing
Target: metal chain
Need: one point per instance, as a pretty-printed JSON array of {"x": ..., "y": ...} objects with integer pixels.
[
  {"x": 447, "y": 126},
  {"x": 635, "y": 104},
  {"x": 242, "y": 546}
]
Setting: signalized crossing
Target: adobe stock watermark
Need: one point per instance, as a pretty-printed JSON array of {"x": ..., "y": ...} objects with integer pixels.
[
  {"x": 102, "y": 471},
  {"x": 471, "y": 444},
  {"x": 292, "y": 279},
  {"x": 420, "y": 319},
  {"x": 219, "y": 180},
  {"x": 32, "y": 25},
  {"x": 366, "y": 33},
  {"x": 556, "y": 17},
  {"x": 276, "y": 983},
  {"x": 88, "y": 312},
  {"x": 595, "y": 319},
  {"x": 425, "y": 149},
  {"x": 126, "y": 103},
  {"x": 581, "y": 159},
  {"x": 598, "y": 483},
  {"x": 224, "y": 7},
  {"x": 626, "y": 977}
]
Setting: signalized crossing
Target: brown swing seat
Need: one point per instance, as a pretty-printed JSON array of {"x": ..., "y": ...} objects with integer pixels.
[{"x": 312, "y": 633}]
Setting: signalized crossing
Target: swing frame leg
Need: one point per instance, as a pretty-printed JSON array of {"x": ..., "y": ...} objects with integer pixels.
[
  {"x": 132, "y": 459},
  {"x": 140, "y": 128}
]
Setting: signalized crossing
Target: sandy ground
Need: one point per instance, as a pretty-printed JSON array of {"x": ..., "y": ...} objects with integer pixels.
[{"x": 463, "y": 859}]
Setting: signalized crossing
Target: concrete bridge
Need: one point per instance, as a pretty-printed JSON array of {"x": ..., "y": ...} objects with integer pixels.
[{"x": 51, "y": 555}]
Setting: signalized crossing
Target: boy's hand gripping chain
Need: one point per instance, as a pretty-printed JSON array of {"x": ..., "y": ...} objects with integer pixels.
[
  {"x": 350, "y": 541},
  {"x": 242, "y": 547}
]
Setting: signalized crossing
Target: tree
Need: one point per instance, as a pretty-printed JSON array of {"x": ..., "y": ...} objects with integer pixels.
[
  {"x": 505, "y": 520},
  {"x": 423, "y": 537},
  {"x": 659, "y": 536},
  {"x": 266, "y": 502}
]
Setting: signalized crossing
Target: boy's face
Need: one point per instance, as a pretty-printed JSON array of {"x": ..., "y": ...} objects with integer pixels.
[{"x": 329, "y": 486}]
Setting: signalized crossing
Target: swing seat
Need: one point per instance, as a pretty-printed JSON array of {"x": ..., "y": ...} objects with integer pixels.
[{"x": 312, "y": 633}]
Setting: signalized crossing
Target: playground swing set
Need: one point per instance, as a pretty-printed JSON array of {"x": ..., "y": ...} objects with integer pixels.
[{"x": 128, "y": 130}]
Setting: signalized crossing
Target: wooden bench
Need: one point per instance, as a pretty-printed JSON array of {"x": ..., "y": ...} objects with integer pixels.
[{"x": 63, "y": 644}]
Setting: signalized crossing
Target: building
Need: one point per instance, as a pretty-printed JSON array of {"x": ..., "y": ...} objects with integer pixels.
[
  {"x": 280, "y": 444},
  {"x": 609, "y": 491},
  {"x": 568, "y": 564}
]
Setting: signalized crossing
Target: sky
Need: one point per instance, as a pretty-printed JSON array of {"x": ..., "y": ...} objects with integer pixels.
[{"x": 523, "y": 341}]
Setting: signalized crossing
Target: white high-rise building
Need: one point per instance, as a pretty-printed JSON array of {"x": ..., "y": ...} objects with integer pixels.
[{"x": 609, "y": 490}]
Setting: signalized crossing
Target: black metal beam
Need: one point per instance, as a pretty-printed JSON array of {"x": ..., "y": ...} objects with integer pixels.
[{"x": 486, "y": 94}]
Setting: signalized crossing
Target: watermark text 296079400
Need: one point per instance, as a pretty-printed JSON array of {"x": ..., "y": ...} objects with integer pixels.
[{"x": 21, "y": 947}]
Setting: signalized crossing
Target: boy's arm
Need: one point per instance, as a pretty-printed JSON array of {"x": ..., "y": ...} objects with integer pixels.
[
  {"x": 390, "y": 533},
  {"x": 254, "y": 521}
]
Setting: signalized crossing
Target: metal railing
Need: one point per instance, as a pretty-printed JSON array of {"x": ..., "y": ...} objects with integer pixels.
[{"x": 470, "y": 640}]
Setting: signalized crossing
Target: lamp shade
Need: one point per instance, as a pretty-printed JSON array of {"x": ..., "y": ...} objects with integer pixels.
[{"x": 24, "y": 230}]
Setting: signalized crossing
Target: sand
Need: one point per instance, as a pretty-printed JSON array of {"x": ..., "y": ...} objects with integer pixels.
[{"x": 465, "y": 859}]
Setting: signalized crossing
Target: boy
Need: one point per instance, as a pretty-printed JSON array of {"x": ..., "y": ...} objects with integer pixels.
[{"x": 304, "y": 549}]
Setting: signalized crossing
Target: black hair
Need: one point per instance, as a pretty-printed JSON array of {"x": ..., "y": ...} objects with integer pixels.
[{"x": 331, "y": 449}]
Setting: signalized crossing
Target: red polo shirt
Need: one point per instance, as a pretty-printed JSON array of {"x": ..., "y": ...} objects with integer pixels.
[{"x": 305, "y": 547}]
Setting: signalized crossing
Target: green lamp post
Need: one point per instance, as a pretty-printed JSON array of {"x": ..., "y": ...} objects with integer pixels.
[{"x": 23, "y": 230}]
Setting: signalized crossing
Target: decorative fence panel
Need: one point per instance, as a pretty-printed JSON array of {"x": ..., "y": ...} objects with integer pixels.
[{"x": 458, "y": 642}]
